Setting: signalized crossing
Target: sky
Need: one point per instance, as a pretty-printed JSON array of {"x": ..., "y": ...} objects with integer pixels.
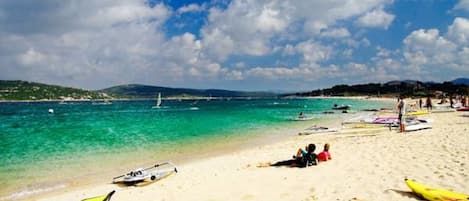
[{"x": 285, "y": 45}]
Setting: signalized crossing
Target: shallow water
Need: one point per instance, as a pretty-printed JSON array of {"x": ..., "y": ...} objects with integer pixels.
[{"x": 80, "y": 138}]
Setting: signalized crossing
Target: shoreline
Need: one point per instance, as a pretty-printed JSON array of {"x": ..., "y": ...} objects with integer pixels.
[
  {"x": 260, "y": 141},
  {"x": 248, "y": 140},
  {"x": 218, "y": 148},
  {"x": 364, "y": 167},
  {"x": 200, "y": 98}
]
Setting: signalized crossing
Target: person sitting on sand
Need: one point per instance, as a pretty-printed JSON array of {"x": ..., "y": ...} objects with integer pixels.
[
  {"x": 303, "y": 158},
  {"x": 325, "y": 155},
  {"x": 307, "y": 157}
]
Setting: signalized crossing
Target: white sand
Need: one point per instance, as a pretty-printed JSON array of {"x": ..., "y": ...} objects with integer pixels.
[{"x": 366, "y": 165}]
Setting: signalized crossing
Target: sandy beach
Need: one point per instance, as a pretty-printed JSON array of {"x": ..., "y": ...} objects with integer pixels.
[{"x": 367, "y": 164}]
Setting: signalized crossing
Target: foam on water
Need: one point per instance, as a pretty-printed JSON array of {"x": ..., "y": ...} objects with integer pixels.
[{"x": 32, "y": 191}]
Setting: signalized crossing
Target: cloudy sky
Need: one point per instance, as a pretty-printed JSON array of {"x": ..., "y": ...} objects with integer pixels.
[{"x": 241, "y": 44}]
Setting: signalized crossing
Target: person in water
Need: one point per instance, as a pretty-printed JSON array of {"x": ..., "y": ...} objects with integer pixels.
[
  {"x": 307, "y": 157},
  {"x": 300, "y": 115},
  {"x": 325, "y": 155}
]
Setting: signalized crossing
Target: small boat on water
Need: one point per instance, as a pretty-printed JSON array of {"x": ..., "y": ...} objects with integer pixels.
[
  {"x": 104, "y": 102},
  {"x": 153, "y": 173},
  {"x": 158, "y": 101},
  {"x": 341, "y": 107}
]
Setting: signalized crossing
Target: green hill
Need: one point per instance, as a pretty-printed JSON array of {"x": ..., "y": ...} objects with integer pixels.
[
  {"x": 392, "y": 88},
  {"x": 22, "y": 90},
  {"x": 145, "y": 91}
]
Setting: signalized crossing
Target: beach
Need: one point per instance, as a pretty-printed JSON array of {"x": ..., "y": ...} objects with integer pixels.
[{"x": 367, "y": 164}]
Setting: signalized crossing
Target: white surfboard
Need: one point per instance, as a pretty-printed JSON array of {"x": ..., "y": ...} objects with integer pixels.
[{"x": 417, "y": 127}]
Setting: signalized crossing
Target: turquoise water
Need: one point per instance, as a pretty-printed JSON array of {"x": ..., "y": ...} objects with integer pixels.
[{"x": 35, "y": 145}]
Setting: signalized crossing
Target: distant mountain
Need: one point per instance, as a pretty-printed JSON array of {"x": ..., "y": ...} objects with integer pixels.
[
  {"x": 146, "y": 91},
  {"x": 22, "y": 90},
  {"x": 464, "y": 81}
]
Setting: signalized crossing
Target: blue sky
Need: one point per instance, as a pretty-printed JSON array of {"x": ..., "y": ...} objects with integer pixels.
[{"x": 242, "y": 45}]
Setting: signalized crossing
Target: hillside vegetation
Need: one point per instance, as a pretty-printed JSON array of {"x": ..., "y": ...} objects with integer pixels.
[
  {"x": 22, "y": 90},
  {"x": 393, "y": 88}
]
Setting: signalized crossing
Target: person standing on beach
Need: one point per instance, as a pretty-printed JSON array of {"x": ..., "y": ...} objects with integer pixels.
[
  {"x": 451, "y": 102},
  {"x": 401, "y": 110},
  {"x": 420, "y": 103},
  {"x": 429, "y": 103}
]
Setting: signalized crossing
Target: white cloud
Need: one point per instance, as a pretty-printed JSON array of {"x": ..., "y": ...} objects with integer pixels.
[
  {"x": 427, "y": 52},
  {"x": 459, "y": 30},
  {"x": 335, "y": 33},
  {"x": 383, "y": 52},
  {"x": 356, "y": 68},
  {"x": 221, "y": 45},
  {"x": 75, "y": 42},
  {"x": 288, "y": 50},
  {"x": 423, "y": 45},
  {"x": 365, "y": 42},
  {"x": 191, "y": 8},
  {"x": 313, "y": 52},
  {"x": 463, "y": 5},
  {"x": 275, "y": 73},
  {"x": 240, "y": 64},
  {"x": 348, "y": 53},
  {"x": 31, "y": 57},
  {"x": 234, "y": 75},
  {"x": 376, "y": 18},
  {"x": 254, "y": 26}
]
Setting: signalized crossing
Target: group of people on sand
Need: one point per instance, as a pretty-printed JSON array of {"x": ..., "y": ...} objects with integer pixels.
[
  {"x": 303, "y": 158},
  {"x": 428, "y": 103},
  {"x": 306, "y": 157}
]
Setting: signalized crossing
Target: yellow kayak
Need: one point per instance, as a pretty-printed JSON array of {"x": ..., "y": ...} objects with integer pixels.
[
  {"x": 101, "y": 198},
  {"x": 435, "y": 194},
  {"x": 420, "y": 112}
]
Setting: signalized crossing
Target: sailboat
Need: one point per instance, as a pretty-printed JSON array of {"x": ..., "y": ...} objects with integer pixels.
[{"x": 158, "y": 101}]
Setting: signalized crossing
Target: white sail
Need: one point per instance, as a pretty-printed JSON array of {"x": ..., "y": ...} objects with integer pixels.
[{"x": 158, "y": 101}]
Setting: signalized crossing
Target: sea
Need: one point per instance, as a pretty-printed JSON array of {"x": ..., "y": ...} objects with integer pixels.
[{"x": 42, "y": 151}]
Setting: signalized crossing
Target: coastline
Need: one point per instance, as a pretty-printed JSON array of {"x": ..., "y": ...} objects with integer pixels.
[
  {"x": 197, "y": 150},
  {"x": 218, "y": 147},
  {"x": 238, "y": 164},
  {"x": 199, "y": 98},
  {"x": 366, "y": 165}
]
